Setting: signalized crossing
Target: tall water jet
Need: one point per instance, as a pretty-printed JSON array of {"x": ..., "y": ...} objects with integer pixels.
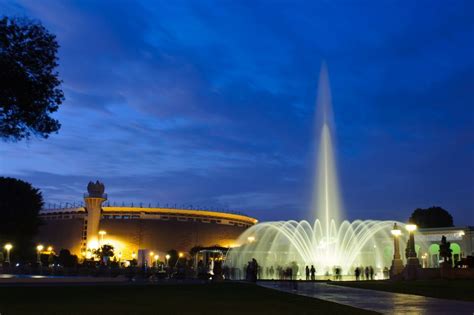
[
  {"x": 330, "y": 243},
  {"x": 326, "y": 202}
]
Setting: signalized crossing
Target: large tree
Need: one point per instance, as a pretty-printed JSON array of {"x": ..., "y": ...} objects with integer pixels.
[
  {"x": 431, "y": 218},
  {"x": 29, "y": 84},
  {"x": 20, "y": 204}
]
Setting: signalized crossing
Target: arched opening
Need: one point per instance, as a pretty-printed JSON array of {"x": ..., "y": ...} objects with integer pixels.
[
  {"x": 456, "y": 251},
  {"x": 433, "y": 251}
]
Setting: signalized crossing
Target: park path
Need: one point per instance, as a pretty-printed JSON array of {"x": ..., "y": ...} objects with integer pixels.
[{"x": 379, "y": 301}]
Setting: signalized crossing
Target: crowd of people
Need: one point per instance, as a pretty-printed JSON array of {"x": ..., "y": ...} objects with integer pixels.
[
  {"x": 253, "y": 272},
  {"x": 366, "y": 273}
]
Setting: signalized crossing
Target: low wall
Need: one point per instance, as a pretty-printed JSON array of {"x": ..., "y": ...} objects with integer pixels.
[
  {"x": 428, "y": 273},
  {"x": 438, "y": 273},
  {"x": 457, "y": 273}
]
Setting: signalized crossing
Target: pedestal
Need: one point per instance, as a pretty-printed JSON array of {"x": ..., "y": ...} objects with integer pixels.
[
  {"x": 396, "y": 268},
  {"x": 411, "y": 269}
]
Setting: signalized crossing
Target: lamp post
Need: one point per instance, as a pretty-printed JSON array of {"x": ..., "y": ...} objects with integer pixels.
[
  {"x": 156, "y": 260},
  {"x": 413, "y": 264},
  {"x": 39, "y": 249},
  {"x": 102, "y": 233},
  {"x": 167, "y": 259},
  {"x": 8, "y": 247},
  {"x": 180, "y": 255},
  {"x": 411, "y": 252},
  {"x": 397, "y": 263}
]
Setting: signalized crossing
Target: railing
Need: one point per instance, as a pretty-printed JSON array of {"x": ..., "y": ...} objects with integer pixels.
[
  {"x": 171, "y": 206},
  {"x": 68, "y": 205},
  {"x": 87, "y": 195}
]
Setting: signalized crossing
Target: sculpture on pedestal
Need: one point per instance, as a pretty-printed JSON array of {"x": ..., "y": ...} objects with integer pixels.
[
  {"x": 95, "y": 189},
  {"x": 445, "y": 252}
]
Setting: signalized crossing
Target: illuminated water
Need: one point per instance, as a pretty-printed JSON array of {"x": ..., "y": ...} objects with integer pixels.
[{"x": 327, "y": 243}]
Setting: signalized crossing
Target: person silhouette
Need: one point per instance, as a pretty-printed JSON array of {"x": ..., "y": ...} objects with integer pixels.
[
  {"x": 313, "y": 273},
  {"x": 357, "y": 273},
  {"x": 307, "y": 273},
  {"x": 272, "y": 271}
]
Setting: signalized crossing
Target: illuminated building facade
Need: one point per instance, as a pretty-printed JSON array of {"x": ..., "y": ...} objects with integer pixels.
[
  {"x": 130, "y": 229},
  {"x": 428, "y": 240}
]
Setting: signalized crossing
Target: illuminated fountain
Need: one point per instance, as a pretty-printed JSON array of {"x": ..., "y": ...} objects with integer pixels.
[{"x": 329, "y": 242}]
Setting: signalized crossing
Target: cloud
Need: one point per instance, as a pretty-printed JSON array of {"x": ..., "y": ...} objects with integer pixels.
[{"x": 195, "y": 103}]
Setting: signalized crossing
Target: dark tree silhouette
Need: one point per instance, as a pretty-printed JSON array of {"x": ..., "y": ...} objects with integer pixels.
[
  {"x": 66, "y": 259},
  {"x": 29, "y": 83},
  {"x": 20, "y": 204},
  {"x": 173, "y": 257},
  {"x": 105, "y": 251},
  {"x": 431, "y": 218}
]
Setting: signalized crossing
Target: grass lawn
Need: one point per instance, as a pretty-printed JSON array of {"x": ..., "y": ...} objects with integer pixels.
[
  {"x": 223, "y": 298},
  {"x": 445, "y": 289}
]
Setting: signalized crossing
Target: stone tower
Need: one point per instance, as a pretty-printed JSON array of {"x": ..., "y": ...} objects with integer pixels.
[{"x": 94, "y": 198}]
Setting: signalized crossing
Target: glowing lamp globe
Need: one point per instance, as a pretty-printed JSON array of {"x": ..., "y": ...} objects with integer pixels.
[{"x": 396, "y": 232}]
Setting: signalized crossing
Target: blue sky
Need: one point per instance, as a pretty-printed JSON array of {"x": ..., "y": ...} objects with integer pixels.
[{"x": 212, "y": 103}]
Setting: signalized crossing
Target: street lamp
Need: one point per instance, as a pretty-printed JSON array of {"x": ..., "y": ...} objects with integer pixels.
[
  {"x": 167, "y": 258},
  {"x": 413, "y": 264},
  {"x": 50, "y": 249},
  {"x": 8, "y": 247},
  {"x": 397, "y": 263},
  {"x": 180, "y": 255},
  {"x": 411, "y": 228},
  {"x": 156, "y": 260},
  {"x": 102, "y": 233},
  {"x": 39, "y": 249}
]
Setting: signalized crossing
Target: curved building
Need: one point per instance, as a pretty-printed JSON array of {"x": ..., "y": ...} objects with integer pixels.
[{"x": 130, "y": 229}]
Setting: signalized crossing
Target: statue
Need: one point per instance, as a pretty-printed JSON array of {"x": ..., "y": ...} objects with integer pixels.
[
  {"x": 95, "y": 189},
  {"x": 445, "y": 252}
]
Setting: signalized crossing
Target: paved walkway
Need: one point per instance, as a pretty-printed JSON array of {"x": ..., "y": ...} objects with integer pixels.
[{"x": 379, "y": 301}]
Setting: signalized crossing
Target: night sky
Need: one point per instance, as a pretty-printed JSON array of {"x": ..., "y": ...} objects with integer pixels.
[{"x": 211, "y": 103}]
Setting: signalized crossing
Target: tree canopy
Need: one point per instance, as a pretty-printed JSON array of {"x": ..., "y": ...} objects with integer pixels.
[
  {"x": 20, "y": 204},
  {"x": 29, "y": 84},
  {"x": 431, "y": 218}
]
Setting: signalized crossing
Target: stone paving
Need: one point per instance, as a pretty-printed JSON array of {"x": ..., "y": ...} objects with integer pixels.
[{"x": 379, "y": 301}]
